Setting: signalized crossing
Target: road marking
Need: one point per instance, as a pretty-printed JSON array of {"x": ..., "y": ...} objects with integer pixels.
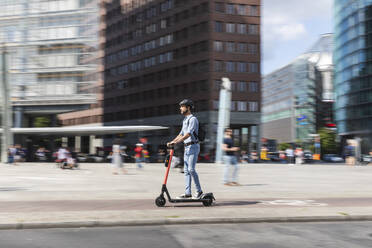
[{"x": 298, "y": 203}]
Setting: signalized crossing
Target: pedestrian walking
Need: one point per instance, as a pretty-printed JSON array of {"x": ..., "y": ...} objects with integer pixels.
[
  {"x": 299, "y": 154},
  {"x": 117, "y": 161},
  {"x": 350, "y": 153},
  {"x": 230, "y": 160},
  {"x": 139, "y": 155},
  {"x": 290, "y": 155},
  {"x": 189, "y": 136},
  {"x": 12, "y": 151}
]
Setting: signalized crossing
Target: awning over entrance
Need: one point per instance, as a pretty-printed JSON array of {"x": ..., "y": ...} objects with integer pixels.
[{"x": 79, "y": 131}]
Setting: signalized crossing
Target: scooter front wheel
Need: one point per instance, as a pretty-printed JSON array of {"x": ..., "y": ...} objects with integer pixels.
[{"x": 160, "y": 201}]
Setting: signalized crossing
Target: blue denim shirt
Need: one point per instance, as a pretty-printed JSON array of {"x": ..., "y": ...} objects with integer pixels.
[{"x": 190, "y": 125}]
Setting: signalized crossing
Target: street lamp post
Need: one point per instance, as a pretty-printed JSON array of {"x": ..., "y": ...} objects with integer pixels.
[{"x": 7, "y": 137}]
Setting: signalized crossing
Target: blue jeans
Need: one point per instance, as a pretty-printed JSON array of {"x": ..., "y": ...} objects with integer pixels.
[
  {"x": 190, "y": 159},
  {"x": 138, "y": 162},
  {"x": 230, "y": 161}
]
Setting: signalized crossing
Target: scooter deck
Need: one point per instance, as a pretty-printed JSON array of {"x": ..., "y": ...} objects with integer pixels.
[{"x": 175, "y": 200}]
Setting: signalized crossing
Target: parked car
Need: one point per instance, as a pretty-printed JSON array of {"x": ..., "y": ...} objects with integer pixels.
[
  {"x": 81, "y": 157},
  {"x": 308, "y": 157},
  {"x": 89, "y": 158},
  {"x": 93, "y": 158},
  {"x": 333, "y": 158},
  {"x": 274, "y": 156},
  {"x": 366, "y": 159}
]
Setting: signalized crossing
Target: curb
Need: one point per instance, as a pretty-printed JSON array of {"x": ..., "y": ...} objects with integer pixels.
[{"x": 155, "y": 222}]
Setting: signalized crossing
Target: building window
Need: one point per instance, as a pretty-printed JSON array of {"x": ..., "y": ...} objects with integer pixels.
[
  {"x": 242, "y": 106},
  {"x": 230, "y": 47},
  {"x": 253, "y": 87},
  {"x": 242, "y": 28},
  {"x": 242, "y": 67},
  {"x": 220, "y": 7},
  {"x": 230, "y": 9},
  {"x": 242, "y": 9},
  {"x": 233, "y": 104},
  {"x": 151, "y": 29},
  {"x": 230, "y": 27},
  {"x": 164, "y": 6},
  {"x": 252, "y": 49},
  {"x": 218, "y": 46},
  {"x": 242, "y": 47},
  {"x": 253, "y": 67},
  {"x": 216, "y": 84},
  {"x": 253, "y": 10},
  {"x": 253, "y": 29},
  {"x": 230, "y": 66},
  {"x": 253, "y": 106},
  {"x": 218, "y": 66},
  {"x": 242, "y": 86},
  {"x": 234, "y": 85},
  {"x": 216, "y": 104},
  {"x": 218, "y": 27},
  {"x": 163, "y": 23}
]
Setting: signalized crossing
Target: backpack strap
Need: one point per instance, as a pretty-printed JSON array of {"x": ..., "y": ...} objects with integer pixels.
[{"x": 195, "y": 135}]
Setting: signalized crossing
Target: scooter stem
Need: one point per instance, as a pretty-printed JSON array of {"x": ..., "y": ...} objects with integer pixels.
[{"x": 169, "y": 165}]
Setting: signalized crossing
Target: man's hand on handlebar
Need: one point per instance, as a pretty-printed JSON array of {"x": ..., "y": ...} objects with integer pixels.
[{"x": 171, "y": 144}]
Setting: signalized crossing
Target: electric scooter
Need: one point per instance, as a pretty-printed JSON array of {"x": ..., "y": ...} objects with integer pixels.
[{"x": 207, "y": 199}]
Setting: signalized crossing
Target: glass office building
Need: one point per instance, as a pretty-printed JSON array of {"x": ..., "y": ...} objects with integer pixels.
[
  {"x": 49, "y": 50},
  {"x": 297, "y": 98},
  {"x": 353, "y": 70}
]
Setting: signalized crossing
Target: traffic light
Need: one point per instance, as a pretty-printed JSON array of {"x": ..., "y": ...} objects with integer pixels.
[{"x": 330, "y": 125}]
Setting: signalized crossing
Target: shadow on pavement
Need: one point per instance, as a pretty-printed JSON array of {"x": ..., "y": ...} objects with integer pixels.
[
  {"x": 12, "y": 189},
  {"x": 216, "y": 204}
]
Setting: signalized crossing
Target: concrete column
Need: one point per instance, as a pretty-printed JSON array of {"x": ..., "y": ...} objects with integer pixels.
[
  {"x": 18, "y": 117},
  {"x": 7, "y": 122},
  {"x": 77, "y": 143},
  {"x": 64, "y": 141},
  {"x": 92, "y": 147}
]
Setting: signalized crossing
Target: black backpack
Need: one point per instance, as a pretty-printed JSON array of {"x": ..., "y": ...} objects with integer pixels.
[{"x": 201, "y": 132}]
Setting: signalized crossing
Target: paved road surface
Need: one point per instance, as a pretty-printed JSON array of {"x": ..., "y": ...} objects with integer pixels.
[{"x": 280, "y": 235}]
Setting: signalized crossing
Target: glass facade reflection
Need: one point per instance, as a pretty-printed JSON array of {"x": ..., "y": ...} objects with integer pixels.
[
  {"x": 353, "y": 69},
  {"x": 50, "y": 51}
]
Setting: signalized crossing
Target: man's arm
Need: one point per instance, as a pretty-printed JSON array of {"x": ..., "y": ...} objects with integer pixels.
[
  {"x": 180, "y": 138},
  {"x": 232, "y": 149}
]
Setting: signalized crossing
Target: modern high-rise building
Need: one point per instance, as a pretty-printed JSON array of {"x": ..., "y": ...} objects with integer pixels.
[
  {"x": 158, "y": 52},
  {"x": 353, "y": 70},
  {"x": 48, "y": 46},
  {"x": 297, "y": 98},
  {"x": 51, "y": 70}
]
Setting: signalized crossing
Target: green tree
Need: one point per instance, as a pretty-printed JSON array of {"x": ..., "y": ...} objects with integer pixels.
[
  {"x": 42, "y": 121},
  {"x": 284, "y": 146},
  {"x": 327, "y": 141}
]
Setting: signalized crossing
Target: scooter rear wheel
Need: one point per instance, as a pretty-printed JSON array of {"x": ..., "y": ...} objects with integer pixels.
[{"x": 160, "y": 201}]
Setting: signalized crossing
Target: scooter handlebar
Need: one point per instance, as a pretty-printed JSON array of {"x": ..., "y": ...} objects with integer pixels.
[{"x": 170, "y": 146}]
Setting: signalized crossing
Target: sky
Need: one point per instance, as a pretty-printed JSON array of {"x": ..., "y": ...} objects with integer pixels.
[{"x": 291, "y": 27}]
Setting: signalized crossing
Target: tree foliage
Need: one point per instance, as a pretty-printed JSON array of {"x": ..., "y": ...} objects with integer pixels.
[
  {"x": 42, "y": 121},
  {"x": 327, "y": 141},
  {"x": 284, "y": 146}
]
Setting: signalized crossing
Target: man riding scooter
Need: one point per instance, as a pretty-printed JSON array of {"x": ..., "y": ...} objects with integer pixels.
[{"x": 188, "y": 136}]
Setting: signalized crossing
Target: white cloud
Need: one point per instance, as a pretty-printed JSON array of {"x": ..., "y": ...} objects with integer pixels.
[{"x": 288, "y": 21}]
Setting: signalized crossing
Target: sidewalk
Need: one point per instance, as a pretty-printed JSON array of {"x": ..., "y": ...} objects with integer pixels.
[{"x": 41, "y": 195}]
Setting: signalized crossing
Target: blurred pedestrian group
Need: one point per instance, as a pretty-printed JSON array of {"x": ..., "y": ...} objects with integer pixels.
[{"x": 16, "y": 154}]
